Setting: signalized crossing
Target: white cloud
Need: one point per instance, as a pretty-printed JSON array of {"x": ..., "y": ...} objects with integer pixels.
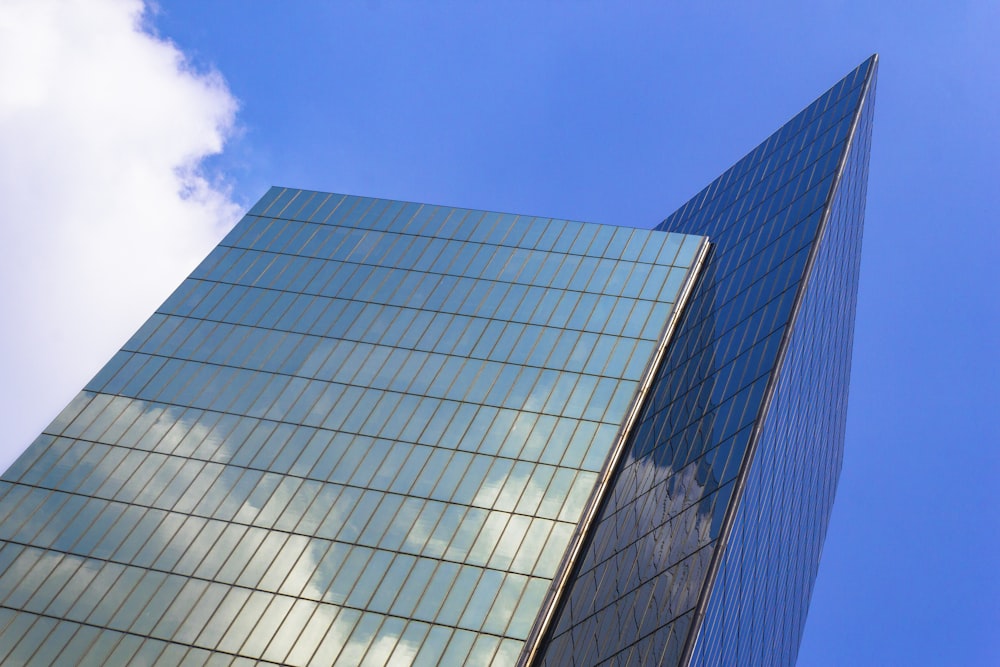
[{"x": 103, "y": 208}]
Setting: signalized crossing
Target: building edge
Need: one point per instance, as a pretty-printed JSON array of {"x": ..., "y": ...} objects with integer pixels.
[{"x": 554, "y": 597}]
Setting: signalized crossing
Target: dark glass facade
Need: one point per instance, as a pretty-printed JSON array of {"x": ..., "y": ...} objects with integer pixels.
[
  {"x": 370, "y": 432},
  {"x": 772, "y": 554},
  {"x": 707, "y": 547}
]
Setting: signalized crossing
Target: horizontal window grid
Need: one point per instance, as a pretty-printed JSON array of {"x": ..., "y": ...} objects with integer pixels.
[
  {"x": 512, "y": 646},
  {"x": 613, "y": 242},
  {"x": 551, "y": 299},
  {"x": 505, "y": 498},
  {"x": 657, "y": 286},
  {"x": 83, "y": 643},
  {"x": 175, "y": 336},
  {"x": 337, "y": 586},
  {"x": 493, "y": 591},
  {"x": 314, "y": 404},
  {"x": 565, "y": 531},
  {"x": 327, "y": 363},
  {"x": 577, "y": 455},
  {"x": 495, "y": 260}
]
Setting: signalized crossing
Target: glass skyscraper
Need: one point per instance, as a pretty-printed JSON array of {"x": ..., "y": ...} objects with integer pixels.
[{"x": 370, "y": 432}]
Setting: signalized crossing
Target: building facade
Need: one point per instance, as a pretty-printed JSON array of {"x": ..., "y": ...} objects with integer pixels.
[
  {"x": 706, "y": 551},
  {"x": 375, "y": 432}
]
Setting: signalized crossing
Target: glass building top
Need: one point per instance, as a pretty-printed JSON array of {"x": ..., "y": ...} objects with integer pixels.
[
  {"x": 362, "y": 432},
  {"x": 640, "y": 586},
  {"x": 773, "y": 552}
]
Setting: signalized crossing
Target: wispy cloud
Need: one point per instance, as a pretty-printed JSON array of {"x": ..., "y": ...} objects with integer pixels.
[{"x": 103, "y": 205}]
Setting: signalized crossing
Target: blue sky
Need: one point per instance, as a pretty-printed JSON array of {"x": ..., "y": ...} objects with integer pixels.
[{"x": 589, "y": 111}]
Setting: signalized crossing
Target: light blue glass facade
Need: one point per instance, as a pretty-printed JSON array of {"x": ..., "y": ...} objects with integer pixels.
[
  {"x": 707, "y": 547},
  {"x": 362, "y": 432}
]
